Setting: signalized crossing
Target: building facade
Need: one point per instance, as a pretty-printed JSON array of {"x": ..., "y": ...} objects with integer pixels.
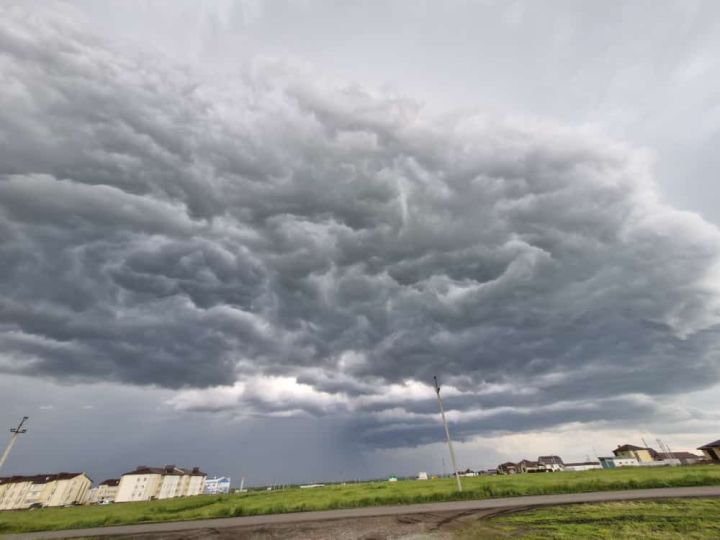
[
  {"x": 217, "y": 485},
  {"x": 582, "y": 466},
  {"x": 507, "y": 468},
  {"x": 551, "y": 463},
  {"x": 42, "y": 490},
  {"x": 103, "y": 493},
  {"x": 641, "y": 454},
  {"x": 614, "y": 462},
  {"x": 148, "y": 483}
]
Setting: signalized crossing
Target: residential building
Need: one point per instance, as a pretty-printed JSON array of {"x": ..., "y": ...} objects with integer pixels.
[
  {"x": 507, "y": 468},
  {"x": 219, "y": 484},
  {"x": 61, "y": 489},
  {"x": 147, "y": 483},
  {"x": 685, "y": 458},
  {"x": 103, "y": 493},
  {"x": 712, "y": 451},
  {"x": 527, "y": 466},
  {"x": 551, "y": 463},
  {"x": 614, "y": 462},
  {"x": 543, "y": 464},
  {"x": 641, "y": 454},
  {"x": 582, "y": 466}
]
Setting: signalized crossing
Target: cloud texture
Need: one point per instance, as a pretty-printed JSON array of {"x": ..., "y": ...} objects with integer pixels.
[{"x": 280, "y": 244}]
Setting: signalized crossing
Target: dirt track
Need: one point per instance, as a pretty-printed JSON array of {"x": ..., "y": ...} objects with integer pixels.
[{"x": 431, "y": 526}]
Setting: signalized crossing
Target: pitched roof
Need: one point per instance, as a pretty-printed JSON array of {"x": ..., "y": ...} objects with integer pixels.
[
  {"x": 682, "y": 455},
  {"x": 550, "y": 459},
  {"x": 38, "y": 478},
  {"x": 628, "y": 448},
  {"x": 111, "y": 482},
  {"x": 167, "y": 470},
  {"x": 714, "y": 444}
]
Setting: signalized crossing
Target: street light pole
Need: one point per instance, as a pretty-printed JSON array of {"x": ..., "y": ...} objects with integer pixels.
[
  {"x": 15, "y": 432},
  {"x": 447, "y": 434}
]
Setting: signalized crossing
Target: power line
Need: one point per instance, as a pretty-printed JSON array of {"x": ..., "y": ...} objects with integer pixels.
[
  {"x": 447, "y": 434},
  {"x": 19, "y": 430}
]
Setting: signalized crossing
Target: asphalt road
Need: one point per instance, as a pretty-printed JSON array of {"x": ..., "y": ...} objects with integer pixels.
[{"x": 377, "y": 511}]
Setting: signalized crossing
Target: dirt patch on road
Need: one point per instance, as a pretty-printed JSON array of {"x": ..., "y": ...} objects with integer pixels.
[{"x": 431, "y": 526}]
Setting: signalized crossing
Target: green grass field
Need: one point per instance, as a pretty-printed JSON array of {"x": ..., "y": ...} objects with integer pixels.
[
  {"x": 646, "y": 520},
  {"x": 354, "y": 495}
]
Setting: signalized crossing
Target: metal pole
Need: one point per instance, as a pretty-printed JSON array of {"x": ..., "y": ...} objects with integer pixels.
[
  {"x": 15, "y": 432},
  {"x": 447, "y": 434}
]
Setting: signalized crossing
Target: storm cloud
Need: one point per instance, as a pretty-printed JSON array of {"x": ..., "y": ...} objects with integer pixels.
[{"x": 282, "y": 244}]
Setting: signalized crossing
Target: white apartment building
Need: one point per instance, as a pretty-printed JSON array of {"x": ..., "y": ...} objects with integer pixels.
[
  {"x": 41, "y": 490},
  {"x": 104, "y": 493},
  {"x": 148, "y": 483}
]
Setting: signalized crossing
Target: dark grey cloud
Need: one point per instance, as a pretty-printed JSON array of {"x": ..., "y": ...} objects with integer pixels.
[{"x": 157, "y": 230}]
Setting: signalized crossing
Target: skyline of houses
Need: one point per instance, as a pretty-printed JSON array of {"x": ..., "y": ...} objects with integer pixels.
[
  {"x": 150, "y": 483},
  {"x": 626, "y": 455}
]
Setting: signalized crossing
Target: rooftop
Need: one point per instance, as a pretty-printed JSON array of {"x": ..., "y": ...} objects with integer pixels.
[
  {"x": 714, "y": 444},
  {"x": 39, "y": 478},
  {"x": 111, "y": 482},
  {"x": 550, "y": 459},
  {"x": 682, "y": 455},
  {"x": 167, "y": 470}
]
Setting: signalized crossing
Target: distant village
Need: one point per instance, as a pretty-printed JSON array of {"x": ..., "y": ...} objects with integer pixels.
[
  {"x": 626, "y": 455},
  {"x": 151, "y": 483}
]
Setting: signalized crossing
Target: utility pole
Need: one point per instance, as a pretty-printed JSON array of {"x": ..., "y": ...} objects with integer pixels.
[
  {"x": 447, "y": 433},
  {"x": 19, "y": 430}
]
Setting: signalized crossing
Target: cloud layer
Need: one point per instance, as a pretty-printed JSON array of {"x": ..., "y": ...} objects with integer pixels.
[{"x": 278, "y": 244}]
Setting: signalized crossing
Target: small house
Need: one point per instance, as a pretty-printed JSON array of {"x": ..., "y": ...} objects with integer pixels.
[{"x": 712, "y": 450}]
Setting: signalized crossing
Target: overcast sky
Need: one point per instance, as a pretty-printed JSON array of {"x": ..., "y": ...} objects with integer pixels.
[{"x": 244, "y": 235}]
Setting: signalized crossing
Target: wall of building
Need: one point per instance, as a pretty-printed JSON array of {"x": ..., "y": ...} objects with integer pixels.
[
  {"x": 583, "y": 467},
  {"x": 24, "y": 494},
  {"x": 170, "y": 487},
  {"x": 64, "y": 492},
  {"x": 196, "y": 485},
  {"x": 640, "y": 455},
  {"x": 101, "y": 493},
  {"x": 143, "y": 487},
  {"x": 13, "y": 495},
  {"x": 611, "y": 463},
  {"x": 138, "y": 487}
]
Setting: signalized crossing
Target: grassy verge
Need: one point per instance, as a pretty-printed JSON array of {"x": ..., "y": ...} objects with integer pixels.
[
  {"x": 646, "y": 520},
  {"x": 354, "y": 495}
]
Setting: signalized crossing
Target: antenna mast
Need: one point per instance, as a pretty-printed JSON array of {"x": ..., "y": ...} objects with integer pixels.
[
  {"x": 447, "y": 434},
  {"x": 19, "y": 430}
]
